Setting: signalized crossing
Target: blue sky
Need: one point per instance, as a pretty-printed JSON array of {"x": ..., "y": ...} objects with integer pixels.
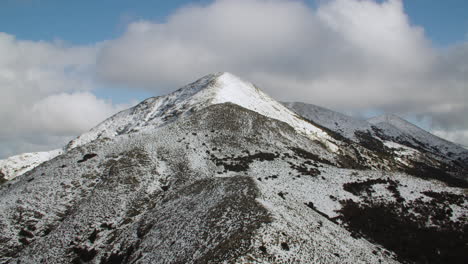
[
  {"x": 89, "y": 21},
  {"x": 80, "y": 22},
  {"x": 67, "y": 65}
]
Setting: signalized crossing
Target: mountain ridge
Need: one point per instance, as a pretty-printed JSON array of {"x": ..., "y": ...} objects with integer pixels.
[
  {"x": 223, "y": 87},
  {"x": 393, "y": 125}
]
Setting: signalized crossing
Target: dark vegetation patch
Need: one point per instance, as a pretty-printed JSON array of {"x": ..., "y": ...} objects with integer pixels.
[
  {"x": 446, "y": 197},
  {"x": 360, "y": 188},
  {"x": 93, "y": 236},
  {"x": 23, "y": 241},
  {"x": 242, "y": 163},
  {"x": 119, "y": 257},
  {"x": 87, "y": 157},
  {"x": 309, "y": 156},
  {"x": 397, "y": 228},
  {"x": 381, "y": 134},
  {"x": 304, "y": 170},
  {"x": 427, "y": 172},
  {"x": 284, "y": 246},
  {"x": 262, "y": 249},
  {"x": 368, "y": 141},
  {"x": 419, "y": 145},
  {"x": 271, "y": 177},
  {"x": 25, "y": 233},
  {"x": 83, "y": 254},
  {"x": 282, "y": 194},
  {"x": 2, "y": 178}
]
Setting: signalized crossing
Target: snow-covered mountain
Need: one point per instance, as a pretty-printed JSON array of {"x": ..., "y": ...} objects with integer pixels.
[
  {"x": 416, "y": 136},
  {"x": 387, "y": 127},
  {"x": 409, "y": 144},
  {"x": 219, "y": 172},
  {"x": 337, "y": 122},
  {"x": 20, "y": 164},
  {"x": 158, "y": 111},
  {"x": 212, "y": 89}
]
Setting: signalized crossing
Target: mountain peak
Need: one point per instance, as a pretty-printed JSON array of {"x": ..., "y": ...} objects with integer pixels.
[{"x": 215, "y": 88}]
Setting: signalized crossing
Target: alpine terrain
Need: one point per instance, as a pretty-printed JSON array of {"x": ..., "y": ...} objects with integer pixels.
[{"x": 219, "y": 172}]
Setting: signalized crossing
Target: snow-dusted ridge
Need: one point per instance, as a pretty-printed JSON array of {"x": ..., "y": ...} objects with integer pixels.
[
  {"x": 338, "y": 122},
  {"x": 387, "y": 128},
  {"x": 212, "y": 89},
  {"x": 14, "y": 166},
  {"x": 398, "y": 127}
]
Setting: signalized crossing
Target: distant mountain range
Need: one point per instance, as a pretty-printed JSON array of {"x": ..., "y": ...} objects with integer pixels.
[{"x": 219, "y": 172}]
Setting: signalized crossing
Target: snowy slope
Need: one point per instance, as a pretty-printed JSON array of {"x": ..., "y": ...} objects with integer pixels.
[
  {"x": 224, "y": 184},
  {"x": 20, "y": 164},
  {"x": 211, "y": 89},
  {"x": 337, "y": 122},
  {"x": 399, "y": 128}
]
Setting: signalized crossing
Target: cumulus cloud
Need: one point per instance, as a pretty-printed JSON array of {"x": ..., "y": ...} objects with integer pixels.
[
  {"x": 46, "y": 97},
  {"x": 346, "y": 54},
  {"x": 352, "y": 47}
]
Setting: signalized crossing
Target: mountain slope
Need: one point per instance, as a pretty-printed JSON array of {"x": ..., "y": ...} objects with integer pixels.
[
  {"x": 134, "y": 180},
  {"x": 246, "y": 182}
]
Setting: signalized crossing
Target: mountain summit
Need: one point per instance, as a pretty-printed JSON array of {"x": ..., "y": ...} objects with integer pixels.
[
  {"x": 209, "y": 90},
  {"x": 219, "y": 172}
]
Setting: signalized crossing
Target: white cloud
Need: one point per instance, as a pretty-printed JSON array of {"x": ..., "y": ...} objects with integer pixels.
[
  {"x": 45, "y": 98},
  {"x": 459, "y": 136},
  {"x": 67, "y": 114},
  {"x": 350, "y": 47}
]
